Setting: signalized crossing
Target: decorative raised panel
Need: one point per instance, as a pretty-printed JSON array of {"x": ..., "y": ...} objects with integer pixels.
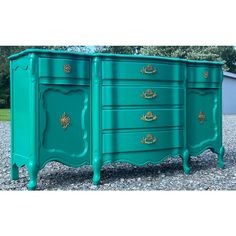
[
  {"x": 215, "y": 106},
  {"x": 48, "y": 119}
]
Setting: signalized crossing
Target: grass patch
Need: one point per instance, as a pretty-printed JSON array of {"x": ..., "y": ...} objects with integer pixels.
[{"x": 4, "y": 114}]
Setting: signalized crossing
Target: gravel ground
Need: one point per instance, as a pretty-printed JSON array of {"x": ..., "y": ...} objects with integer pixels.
[{"x": 205, "y": 175}]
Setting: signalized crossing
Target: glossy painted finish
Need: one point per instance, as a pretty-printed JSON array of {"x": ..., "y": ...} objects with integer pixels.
[
  {"x": 204, "y": 74},
  {"x": 137, "y": 118},
  {"x": 143, "y": 95},
  {"x": 132, "y": 141},
  {"x": 136, "y": 70},
  {"x": 93, "y": 109},
  {"x": 203, "y": 135},
  {"x": 69, "y": 145},
  {"x": 77, "y": 69}
]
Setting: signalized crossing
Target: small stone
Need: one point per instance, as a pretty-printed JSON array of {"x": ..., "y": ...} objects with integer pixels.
[{"x": 94, "y": 187}]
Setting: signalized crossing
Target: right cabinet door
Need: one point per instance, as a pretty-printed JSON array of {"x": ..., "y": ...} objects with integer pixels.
[{"x": 203, "y": 120}]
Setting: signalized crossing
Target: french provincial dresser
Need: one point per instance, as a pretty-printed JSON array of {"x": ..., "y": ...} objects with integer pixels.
[{"x": 94, "y": 109}]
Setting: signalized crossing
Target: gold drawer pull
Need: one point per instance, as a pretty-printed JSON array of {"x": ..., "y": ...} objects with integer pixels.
[
  {"x": 64, "y": 120},
  {"x": 149, "y": 69},
  {"x": 201, "y": 117},
  {"x": 148, "y": 94},
  {"x": 149, "y": 116},
  {"x": 67, "y": 68},
  {"x": 149, "y": 139},
  {"x": 206, "y": 74}
]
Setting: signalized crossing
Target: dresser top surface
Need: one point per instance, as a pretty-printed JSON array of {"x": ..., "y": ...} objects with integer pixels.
[{"x": 45, "y": 52}]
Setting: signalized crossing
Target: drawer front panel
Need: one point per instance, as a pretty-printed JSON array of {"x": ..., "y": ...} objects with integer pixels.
[
  {"x": 143, "y": 70},
  {"x": 121, "y": 96},
  {"x": 64, "y": 68},
  {"x": 204, "y": 74},
  {"x": 142, "y": 118},
  {"x": 142, "y": 141}
]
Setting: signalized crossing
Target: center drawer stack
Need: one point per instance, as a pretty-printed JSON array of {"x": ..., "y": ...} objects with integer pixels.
[{"x": 142, "y": 108}]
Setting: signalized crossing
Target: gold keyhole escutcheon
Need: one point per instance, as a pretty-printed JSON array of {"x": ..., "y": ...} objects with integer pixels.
[
  {"x": 64, "y": 120},
  {"x": 201, "y": 117},
  {"x": 67, "y": 68},
  {"x": 206, "y": 74}
]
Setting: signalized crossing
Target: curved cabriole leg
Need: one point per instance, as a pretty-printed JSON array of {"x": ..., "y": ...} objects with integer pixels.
[
  {"x": 221, "y": 163},
  {"x": 96, "y": 171},
  {"x": 186, "y": 162},
  {"x": 33, "y": 172},
  {"x": 14, "y": 172}
]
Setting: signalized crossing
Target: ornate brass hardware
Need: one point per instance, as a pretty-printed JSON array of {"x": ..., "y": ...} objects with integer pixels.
[
  {"x": 67, "y": 68},
  {"x": 64, "y": 120},
  {"x": 149, "y": 116},
  {"x": 149, "y": 139},
  {"x": 149, "y": 69},
  {"x": 206, "y": 74},
  {"x": 201, "y": 117},
  {"x": 149, "y": 94}
]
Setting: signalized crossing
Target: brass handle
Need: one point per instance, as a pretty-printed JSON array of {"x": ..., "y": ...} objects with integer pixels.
[
  {"x": 149, "y": 69},
  {"x": 201, "y": 117},
  {"x": 149, "y": 116},
  {"x": 149, "y": 94},
  {"x": 206, "y": 74},
  {"x": 67, "y": 68},
  {"x": 64, "y": 120},
  {"x": 149, "y": 139}
]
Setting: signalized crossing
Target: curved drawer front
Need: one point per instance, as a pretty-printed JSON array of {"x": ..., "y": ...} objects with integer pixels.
[
  {"x": 142, "y": 118},
  {"x": 122, "y": 95},
  {"x": 68, "y": 68},
  {"x": 142, "y": 141},
  {"x": 143, "y": 70},
  {"x": 204, "y": 74}
]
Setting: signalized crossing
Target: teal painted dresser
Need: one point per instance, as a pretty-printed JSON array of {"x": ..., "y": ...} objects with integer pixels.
[{"x": 94, "y": 109}]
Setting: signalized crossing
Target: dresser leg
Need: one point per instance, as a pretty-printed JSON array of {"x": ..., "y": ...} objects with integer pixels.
[
  {"x": 14, "y": 172},
  {"x": 221, "y": 163},
  {"x": 186, "y": 162},
  {"x": 96, "y": 171},
  {"x": 33, "y": 172}
]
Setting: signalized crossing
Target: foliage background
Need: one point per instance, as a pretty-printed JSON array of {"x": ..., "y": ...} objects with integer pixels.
[{"x": 226, "y": 54}]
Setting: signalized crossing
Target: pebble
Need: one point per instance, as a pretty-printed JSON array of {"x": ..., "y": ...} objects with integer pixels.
[{"x": 204, "y": 175}]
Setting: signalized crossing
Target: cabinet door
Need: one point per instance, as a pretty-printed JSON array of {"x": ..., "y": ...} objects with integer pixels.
[
  {"x": 203, "y": 119},
  {"x": 64, "y": 124}
]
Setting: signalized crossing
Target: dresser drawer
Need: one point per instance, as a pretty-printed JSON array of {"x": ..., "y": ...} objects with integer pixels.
[
  {"x": 68, "y": 68},
  {"x": 143, "y": 70},
  {"x": 204, "y": 74},
  {"x": 141, "y": 118},
  {"x": 123, "y": 96},
  {"x": 142, "y": 141}
]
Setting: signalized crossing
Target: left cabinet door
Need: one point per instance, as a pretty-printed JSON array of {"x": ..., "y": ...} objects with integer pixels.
[{"x": 64, "y": 124}]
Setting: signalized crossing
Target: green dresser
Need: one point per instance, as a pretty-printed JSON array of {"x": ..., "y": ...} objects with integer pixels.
[{"x": 94, "y": 109}]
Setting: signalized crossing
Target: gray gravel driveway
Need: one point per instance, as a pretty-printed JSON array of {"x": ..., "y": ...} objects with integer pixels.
[{"x": 205, "y": 175}]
